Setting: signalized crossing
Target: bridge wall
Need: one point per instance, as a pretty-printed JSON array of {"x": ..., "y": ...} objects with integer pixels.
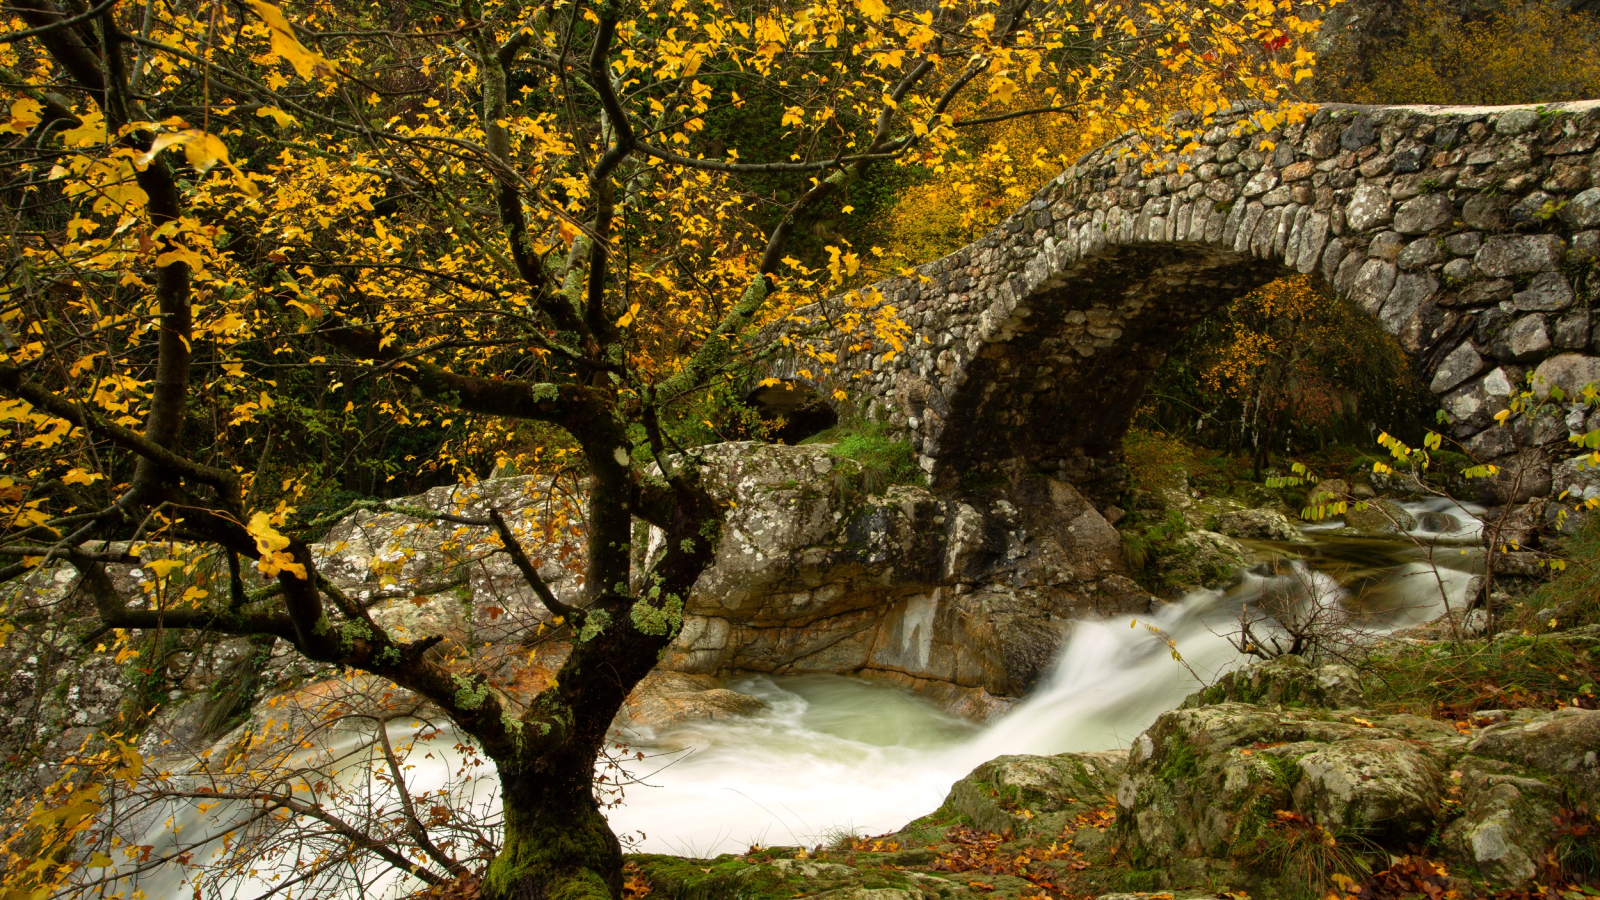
[{"x": 1471, "y": 233}]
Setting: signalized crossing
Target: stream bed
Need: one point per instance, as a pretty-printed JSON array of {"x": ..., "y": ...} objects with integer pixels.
[{"x": 833, "y": 755}]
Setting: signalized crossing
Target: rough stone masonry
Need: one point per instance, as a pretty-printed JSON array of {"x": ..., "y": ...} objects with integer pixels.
[{"x": 1472, "y": 233}]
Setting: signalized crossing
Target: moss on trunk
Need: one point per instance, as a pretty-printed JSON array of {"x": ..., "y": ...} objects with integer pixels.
[{"x": 557, "y": 845}]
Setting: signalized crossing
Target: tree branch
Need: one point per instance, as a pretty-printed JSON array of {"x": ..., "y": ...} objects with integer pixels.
[{"x": 530, "y": 572}]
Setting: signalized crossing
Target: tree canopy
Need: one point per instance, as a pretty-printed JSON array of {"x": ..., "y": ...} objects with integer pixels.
[{"x": 251, "y": 246}]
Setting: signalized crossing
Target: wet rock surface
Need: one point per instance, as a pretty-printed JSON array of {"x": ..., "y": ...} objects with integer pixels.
[
  {"x": 1380, "y": 517},
  {"x": 960, "y": 596}
]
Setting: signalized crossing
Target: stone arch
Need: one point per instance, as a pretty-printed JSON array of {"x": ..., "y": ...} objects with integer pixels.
[
  {"x": 1469, "y": 232},
  {"x": 795, "y": 407}
]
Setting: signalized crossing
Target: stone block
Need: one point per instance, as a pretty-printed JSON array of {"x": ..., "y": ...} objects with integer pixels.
[
  {"x": 1570, "y": 372},
  {"x": 1517, "y": 121},
  {"x": 1487, "y": 213},
  {"x": 1464, "y": 244},
  {"x": 1369, "y": 207},
  {"x": 1349, "y": 270},
  {"x": 1547, "y": 292},
  {"x": 1424, "y": 214},
  {"x": 1482, "y": 293},
  {"x": 1530, "y": 210},
  {"x": 1582, "y": 211},
  {"x": 1459, "y": 269},
  {"x": 1386, "y": 245},
  {"x": 1411, "y": 290},
  {"x": 1314, "y": 232},
  {"x": 1358, "y": 135},
  {"x": 1373, "y": 284},
  {"x": 1505, "y": 255},
  {"x": 1572, "y": 331},
  {"x": 1524, "y": 339},
  {"x": 1421, "y": 253},
  {"x": 1459, "y": 365}
]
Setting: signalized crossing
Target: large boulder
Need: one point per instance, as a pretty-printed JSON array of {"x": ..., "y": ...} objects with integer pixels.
[
  {"x": 1260, "y": 524},
  {"x": 1203, "y": 559},
  {"x": 1564, "y": 743},
  {"x": 1507, "y": 819},
  {"x": 1205, "y": 786},
  {"x": 959, "y": 598},
  {"x": 665, "y": 698}
]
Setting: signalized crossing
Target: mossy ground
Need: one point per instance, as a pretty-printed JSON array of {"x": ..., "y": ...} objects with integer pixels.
[
  {"x": 938, "y": 855},
  {"x": 875, "y": 458}
]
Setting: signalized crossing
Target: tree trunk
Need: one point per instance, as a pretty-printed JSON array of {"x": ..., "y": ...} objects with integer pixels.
[{"x": 557, "y": 845}]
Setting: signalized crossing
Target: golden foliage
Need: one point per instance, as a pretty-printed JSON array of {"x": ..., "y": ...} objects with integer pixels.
[
  {"x": 39, "y": 852},
  {"x": 1527, "y": 52}
]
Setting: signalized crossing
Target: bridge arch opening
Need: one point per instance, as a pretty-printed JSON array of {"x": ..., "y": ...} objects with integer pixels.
[{"x": 792, "y": 410}]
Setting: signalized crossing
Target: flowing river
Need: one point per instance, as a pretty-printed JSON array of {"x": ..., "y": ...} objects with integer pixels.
[{"x": 832, "y": 755}]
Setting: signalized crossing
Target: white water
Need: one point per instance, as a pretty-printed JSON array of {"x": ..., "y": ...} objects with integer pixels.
[{"x": 833, "y": 754}]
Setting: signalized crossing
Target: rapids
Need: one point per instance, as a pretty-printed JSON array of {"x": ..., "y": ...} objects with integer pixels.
[{"x": 833, "y": 755}]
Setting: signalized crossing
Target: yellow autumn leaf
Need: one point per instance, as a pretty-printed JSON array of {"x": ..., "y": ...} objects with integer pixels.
[
  {"x": 203, "y": 150},
  {"x": 277, "y": 115},
  {"x": 875, "y": 10},
  {"x": 24, "y": 116},
  {"x": 79, "y": 476},
  {"x": 268, "y": 538},
  {"x": 163, "y": 567},
  {"x": 91, "y": 130},
  {"x": 306, "y": 62}
]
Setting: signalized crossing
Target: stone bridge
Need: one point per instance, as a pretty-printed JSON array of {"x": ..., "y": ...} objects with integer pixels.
[{"x": 1470, "y": 232}]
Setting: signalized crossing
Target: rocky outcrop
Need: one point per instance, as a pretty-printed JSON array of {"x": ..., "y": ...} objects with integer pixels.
[
  {"x": 1204, "y": 784},
  {"x": 1203, "y": 559},
  {"x": 1211, "y": 785},
  {"x": 1380, "y": 517},
  {"x": 959, "y": 596},
  {"x": 1260, "y": 524},
  {"x": 1034, "y": 795},
  {"x": 666, "y": 698}
]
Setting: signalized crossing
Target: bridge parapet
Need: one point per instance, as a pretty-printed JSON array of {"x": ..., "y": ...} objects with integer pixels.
[{"x": 1472, "y": 233}]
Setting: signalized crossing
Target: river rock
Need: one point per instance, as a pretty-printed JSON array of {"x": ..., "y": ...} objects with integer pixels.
[
  {"x": 1034, "y": 794},
  {"x": 1380, "y": 517},
  {"x": 1507, "y": 819},
  {"x": 1287, "y": 680},
  {"x": 1203, "y": 784},
  {"x": 1261, "y": 524},
  {"x": 958, "y": 598},
  {"x": 1204, "y": 559},
  {"x": 1328, "y": 490},
  {"x": 1564, "y": 743},
  {"x": 665, "y": 698}
]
